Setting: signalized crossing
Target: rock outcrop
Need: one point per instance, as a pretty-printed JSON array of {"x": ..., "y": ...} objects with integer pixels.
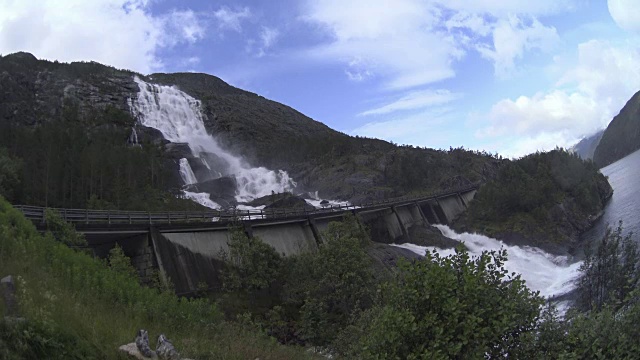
[
  {"x": 221, "y": 190},
  {"x": 282, "y": 201},
  {"x": 622, "y": 136}
]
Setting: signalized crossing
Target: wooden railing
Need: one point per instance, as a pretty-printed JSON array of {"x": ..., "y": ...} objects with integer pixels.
[{"x": 86, "y": 216}]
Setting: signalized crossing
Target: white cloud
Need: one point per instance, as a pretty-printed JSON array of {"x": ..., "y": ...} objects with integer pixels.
[
  {"x": 269, "y": 36},
  {"x": 229, "y": 19},
  {"x": 121, "y": 33},
  {"x": 418, "y": 42},
  {"x": 556, "y": 111},
  {"x": 183, "y": 25},
  {"x": 626, "y": 13},
  {"x": 584, "y": 100},
  {"x": 512, "y": 37},
  {"x": 502, "y": 8},
  {"x": 415, "y": 100},
  {"x": 423, "y": 128},
  {"x": 266, "y": 39},
  {"x": 399, "y": 43}
]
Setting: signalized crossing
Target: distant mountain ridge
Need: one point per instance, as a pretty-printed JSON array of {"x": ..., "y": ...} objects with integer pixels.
[
  {"x": 622, "y": 136},
  {"x": 587, "y": 146}
]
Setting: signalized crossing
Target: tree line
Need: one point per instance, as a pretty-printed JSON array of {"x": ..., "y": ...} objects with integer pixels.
[{"x": 71, "y": 163}]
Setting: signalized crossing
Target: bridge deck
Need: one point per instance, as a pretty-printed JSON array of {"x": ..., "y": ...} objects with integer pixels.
[{"x": 113, "y": 220}]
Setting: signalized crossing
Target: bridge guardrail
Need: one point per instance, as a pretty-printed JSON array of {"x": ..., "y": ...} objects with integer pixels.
[{"x": 87, "y": 216}]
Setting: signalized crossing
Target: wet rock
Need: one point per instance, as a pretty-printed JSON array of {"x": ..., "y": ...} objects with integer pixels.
[
  {"x": 430, "y": 236},
  {"x": 216, "y": 163},
  {"x": 200, "y": 170},
  {"x": 288, "y": 201},
  {"x": 177, "y": 150},
  {"x": 150, "y": 135},
  {"x": 385, "y": 258},
  {"x": 221, "y": 190}
]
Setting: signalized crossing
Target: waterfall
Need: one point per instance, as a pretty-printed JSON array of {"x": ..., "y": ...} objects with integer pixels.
[
  {"x": 179, "y": 118},
  {"x": 186, "y": 173},
  {"x": 133, "y": 138}
]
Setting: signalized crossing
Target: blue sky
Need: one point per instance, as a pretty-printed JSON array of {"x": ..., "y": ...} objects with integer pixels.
[{"x": 510, "y": 77}]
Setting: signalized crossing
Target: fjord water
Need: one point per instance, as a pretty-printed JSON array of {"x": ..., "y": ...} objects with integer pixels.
[
  {"x": 178, "y": 117},
  {"x": 624, "y": 177}
]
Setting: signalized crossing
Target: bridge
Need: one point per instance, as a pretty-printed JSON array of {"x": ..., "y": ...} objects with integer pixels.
[{"x": 186, "y": 246}]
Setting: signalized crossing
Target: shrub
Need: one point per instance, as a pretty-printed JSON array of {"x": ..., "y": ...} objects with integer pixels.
[{"x": 447, "y": 307}]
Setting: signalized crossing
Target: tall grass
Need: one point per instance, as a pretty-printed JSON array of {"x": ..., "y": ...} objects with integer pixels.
[{"x": 77, "y": 307}]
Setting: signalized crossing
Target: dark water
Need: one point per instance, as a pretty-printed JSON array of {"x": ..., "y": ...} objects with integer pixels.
[{"x": 624, "y": 177}]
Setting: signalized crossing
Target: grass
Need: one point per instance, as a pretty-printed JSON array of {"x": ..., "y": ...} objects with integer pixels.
[{"x": 77, "y": 307}]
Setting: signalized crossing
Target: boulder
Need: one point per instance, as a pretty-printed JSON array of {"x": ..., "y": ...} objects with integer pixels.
[
  {"x": 217, "y": 164},
  {"x": 284, "y": 200},
  {"x": 221, "y": 190},
  {"x": 289, "y": 201},
  {"x": 140, "y": 348},
  {"x": 385, "y": 258},
  {"x": 177, "y": 150},
  {"x": 165, "y": 349},
  {"x": 201, "y": 171},
  {"x": 150, "y": 135}
]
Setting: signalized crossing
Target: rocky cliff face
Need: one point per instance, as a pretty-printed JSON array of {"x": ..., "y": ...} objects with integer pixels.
[
  {"x": 33, "y": 91},
  {"x": 622, "y": 136},
  {"x": 264, "y": 132}
]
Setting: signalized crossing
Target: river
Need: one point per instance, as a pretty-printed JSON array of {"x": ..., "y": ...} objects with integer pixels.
[{"x": 552, "y": 275}]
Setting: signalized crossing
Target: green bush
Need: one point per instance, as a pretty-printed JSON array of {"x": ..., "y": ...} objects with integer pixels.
[
  {"x": 62, "y": 230},
  {"x": 333, "y": 285},
  {"x": 446, "y": 308},
  {"x": 610, "y": 273}
]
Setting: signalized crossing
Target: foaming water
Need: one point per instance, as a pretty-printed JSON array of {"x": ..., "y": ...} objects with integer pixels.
[
  {"x": 178, "y": 117},
  {"x": 202, "y": 199},
  {"x": 186, "y": 173},
  {"x": 549, "y": 274}
]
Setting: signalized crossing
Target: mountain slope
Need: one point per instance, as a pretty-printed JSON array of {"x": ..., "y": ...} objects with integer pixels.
[
  {"x": 93, "y": 99},
  {"x": 587, "y": 146},
  {"x": 622, "y": 136}
]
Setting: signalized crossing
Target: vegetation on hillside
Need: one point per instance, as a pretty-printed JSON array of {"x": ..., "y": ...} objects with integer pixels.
[
  {"x": 84, "y": 103},
  {"x": 444, "y": 307},
  {"x": 77, "y": 307},
  {"x": 74, "y": 163},
  {"x": 543, "y": 199}
]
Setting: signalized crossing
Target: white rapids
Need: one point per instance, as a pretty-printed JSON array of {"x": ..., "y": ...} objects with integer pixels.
[
  {"x": 178, "y": 117},
  {"x": 550, "y": 275}
]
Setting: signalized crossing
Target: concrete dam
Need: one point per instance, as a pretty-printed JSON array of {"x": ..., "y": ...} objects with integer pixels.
[{"x": 190, "y": 254}]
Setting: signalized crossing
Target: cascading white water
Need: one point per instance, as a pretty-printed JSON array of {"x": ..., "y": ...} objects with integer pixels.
[
  {"x": 179, "y": 117},
  {"x": 551, "y": 275},
  {"x": 186, "y": 173},
  {"x": 133, "y": 138},
  {"x": 202, "y": 199}
]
